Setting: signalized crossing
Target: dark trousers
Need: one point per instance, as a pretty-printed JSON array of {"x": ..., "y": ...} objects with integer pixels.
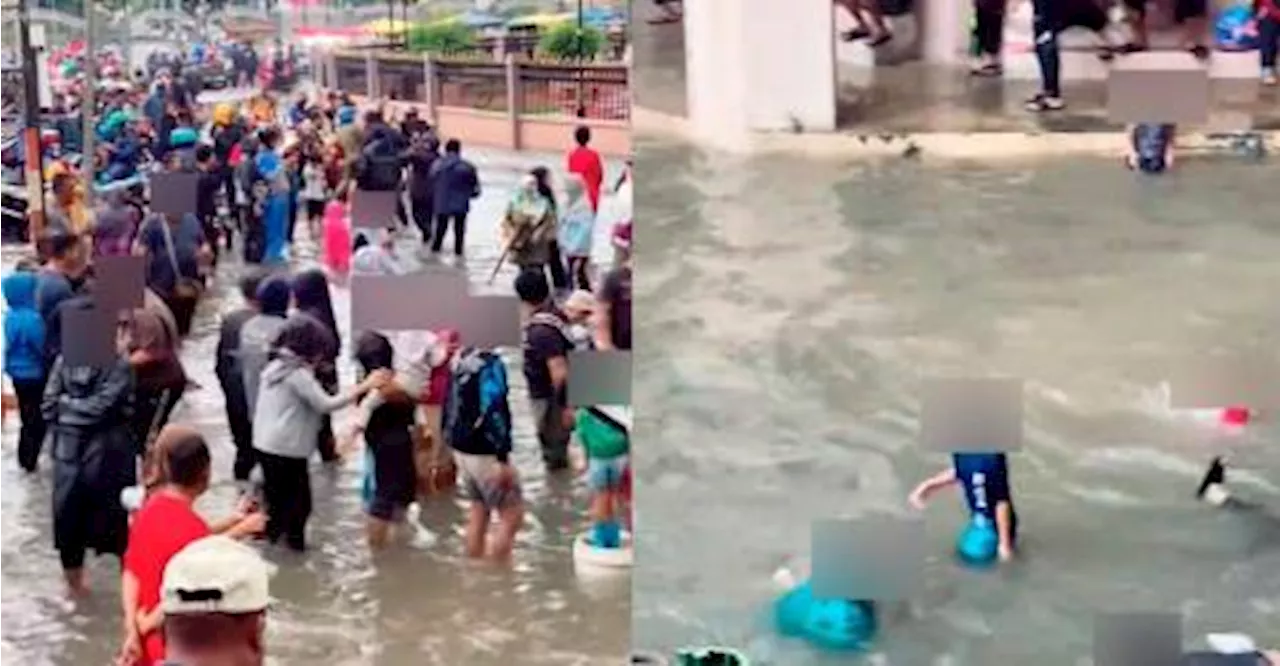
[
  {"x": 1269, "y": 41},
  {"x": 559, "y": 276},
  {"x": 989, "y": 26},
  {"x": 459, "y": 232},
  {"x": 241, "y": 430},
  {"x": 327, "y": 443},
  {"x": 422, "y": 217},
  {"x": 578, "y": 273},
  {"x": 184, "y": 310},
  {"x": 293, "y": 216},
  {"x": 152, "y": 407},
  {"x": 286, "y": 490},
  {"x": 402, "y": 215},
  {"x": 31, "y": 437},
  {"x": 1048, "y": 53},
  {"x": 1051, "y": 18}
]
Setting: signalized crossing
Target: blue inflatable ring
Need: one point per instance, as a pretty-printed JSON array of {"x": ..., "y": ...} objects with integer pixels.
[
  {"x": 977, "y": 544},
  {"x": 831, "y": 624}
]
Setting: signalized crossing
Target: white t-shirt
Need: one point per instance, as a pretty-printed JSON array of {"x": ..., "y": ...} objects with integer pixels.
[{"x": 314, "y": 187}]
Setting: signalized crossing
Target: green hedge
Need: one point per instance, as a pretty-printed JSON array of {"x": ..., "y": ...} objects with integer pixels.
[
  {"x": 441, "y": 37},
  {"x": 566, "y": 41}
]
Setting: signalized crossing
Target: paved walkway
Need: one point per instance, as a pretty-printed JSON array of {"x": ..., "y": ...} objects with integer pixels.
[{"x": 915, "y": 98}]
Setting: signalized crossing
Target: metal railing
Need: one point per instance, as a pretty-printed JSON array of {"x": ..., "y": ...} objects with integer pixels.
[
  {"x": 471, "y": 84},
  {"x": 592, "y": 91},
  {"x": 542, "y": 88}
]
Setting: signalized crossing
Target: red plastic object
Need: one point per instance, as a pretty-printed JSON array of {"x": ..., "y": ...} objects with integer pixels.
[{"x": 1235, "y": 416}]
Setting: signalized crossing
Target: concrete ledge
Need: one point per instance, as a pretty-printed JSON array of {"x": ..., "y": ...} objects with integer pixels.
[{"x": 944, "y": 145}]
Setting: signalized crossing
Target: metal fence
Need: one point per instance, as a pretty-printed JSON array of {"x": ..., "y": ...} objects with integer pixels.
[
  {"x": 593, "y": 91},
  {"x": 589, "y": 91},
  {"x": 470, "y": 84}
]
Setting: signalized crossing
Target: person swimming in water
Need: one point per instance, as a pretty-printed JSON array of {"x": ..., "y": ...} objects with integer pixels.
[
  {"x": 1151, "y": 147},
  {"x": 985, "y": 480}
]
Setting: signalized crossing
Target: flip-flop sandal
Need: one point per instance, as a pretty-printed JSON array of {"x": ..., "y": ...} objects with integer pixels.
[
  {"x": 1132, "y": 47},
  {"x": 854, "y": 35},
  {"x": 881, "y": 40},
  {"x": 989, "y": 70},
  {"x": 1106, "y": 53},
  {"x": 1199, "y": 51}
]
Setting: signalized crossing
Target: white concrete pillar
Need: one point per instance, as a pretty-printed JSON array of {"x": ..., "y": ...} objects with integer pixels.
[
  {"x": 944, "y": 27},
  {"x": 759, "y": 65}
]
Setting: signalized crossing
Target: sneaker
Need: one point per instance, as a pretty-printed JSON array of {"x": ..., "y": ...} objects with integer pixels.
[
  {"x": 986, "y": 69},
  {"x": 1042, "y": 102},
  {"x": 1269, "y": 77}
]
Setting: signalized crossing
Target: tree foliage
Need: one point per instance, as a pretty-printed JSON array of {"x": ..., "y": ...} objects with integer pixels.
[
  {"x": 441, "y": 37},
  {"x": 566, "y": 41}
]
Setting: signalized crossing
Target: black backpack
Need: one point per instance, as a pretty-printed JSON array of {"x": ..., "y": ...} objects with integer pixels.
[{"x": 378, "y": 169}]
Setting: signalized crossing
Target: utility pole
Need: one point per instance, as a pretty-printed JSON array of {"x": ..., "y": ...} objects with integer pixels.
[
  {"x": 89, "y": 102},
  {"x": 34, "y": 167},
  {"x": 582, "y": 39}
]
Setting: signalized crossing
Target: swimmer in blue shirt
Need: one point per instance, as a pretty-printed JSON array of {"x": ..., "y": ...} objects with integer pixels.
[
  {"x": 1151, "y": 147},
  {"x": 985, "y": 480}
]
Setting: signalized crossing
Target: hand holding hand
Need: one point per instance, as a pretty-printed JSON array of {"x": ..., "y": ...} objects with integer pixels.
[{"x": 254, "y": 523}]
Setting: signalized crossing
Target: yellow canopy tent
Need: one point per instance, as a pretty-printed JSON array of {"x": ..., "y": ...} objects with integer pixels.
[
  {"x": 385, "y": 27},
  {"x": 540, "y": 20}
]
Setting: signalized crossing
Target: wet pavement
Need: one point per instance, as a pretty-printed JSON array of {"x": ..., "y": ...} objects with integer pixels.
[
  {"x": 419, "y": 604},
  {"x": 914, "y": 97},
  {"x": 790, "y": 310}
]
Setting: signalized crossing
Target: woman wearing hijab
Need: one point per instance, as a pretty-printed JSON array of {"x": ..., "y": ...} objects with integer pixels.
[
  {"x": 311, "y": 299},
  {"x": 275, "y": 219},
  {"x": 529, "y": 226},
  {"x": 114, "y": 228},
  {"x": 256, "y": 336},
  {"x": 88, "y": 409},
  {"x": 292, "y": 406},
  {"x": 158, "y": 374},
  {"x": 577, "y": 228}
]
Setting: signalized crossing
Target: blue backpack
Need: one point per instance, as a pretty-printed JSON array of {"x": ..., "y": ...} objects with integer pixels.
[{"x": 476, "y": 405}]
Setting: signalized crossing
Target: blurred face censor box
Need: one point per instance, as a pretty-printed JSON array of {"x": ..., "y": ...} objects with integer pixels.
[{"x": 1159, "y": 87}]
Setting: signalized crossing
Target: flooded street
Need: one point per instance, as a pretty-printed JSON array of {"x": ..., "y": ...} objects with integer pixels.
[
  {"x": 790, "y": 310},
  {"x": 422, "y": 603}
]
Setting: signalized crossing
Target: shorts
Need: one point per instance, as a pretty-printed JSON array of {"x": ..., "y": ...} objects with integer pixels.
[
  {"x": 606, "y": 473},
  {"x": 1185, "y": 10},
  {"x": 476, "y": 482},
  {"x": 315, "y": 208},
  {"x": 386, "y": 509}
]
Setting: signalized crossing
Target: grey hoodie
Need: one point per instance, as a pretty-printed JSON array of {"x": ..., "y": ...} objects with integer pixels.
[
  {"x": 256, "y": 337},
  {"x": 291, "y": 407}
]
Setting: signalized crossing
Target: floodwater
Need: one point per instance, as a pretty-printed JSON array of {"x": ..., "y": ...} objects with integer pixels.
[
  {"x": 789, "y": 310},
  {"x": 421, "y": 604}
]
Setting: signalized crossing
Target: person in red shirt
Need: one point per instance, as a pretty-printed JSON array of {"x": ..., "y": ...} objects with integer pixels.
[
  {"x": 586, "y": 162},
  {"x": 165, "y": 525}
]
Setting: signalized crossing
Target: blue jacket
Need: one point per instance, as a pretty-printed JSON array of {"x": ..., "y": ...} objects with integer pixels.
[
  {"x": 23, "y": 328},
  {"x": 456, "y": 185}
]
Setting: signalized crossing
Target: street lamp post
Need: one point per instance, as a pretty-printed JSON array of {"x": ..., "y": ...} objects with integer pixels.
[
  {"x": 89, "y": 102},
  {"x": 582, "y": 100},
  {"x": 34, "y": 167}
]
